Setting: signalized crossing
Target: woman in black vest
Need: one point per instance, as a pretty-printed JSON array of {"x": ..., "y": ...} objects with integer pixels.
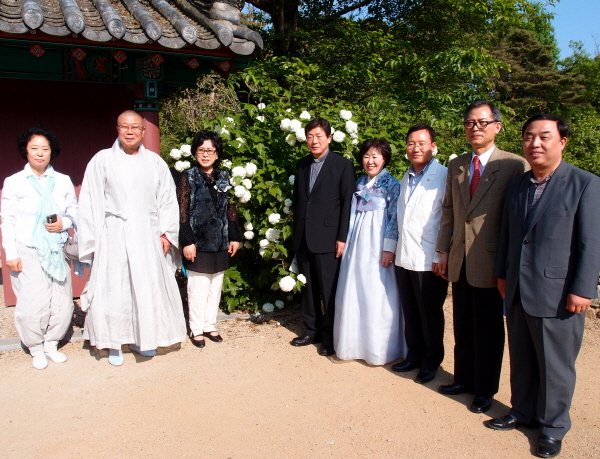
[{"x": 209, "y": 234}]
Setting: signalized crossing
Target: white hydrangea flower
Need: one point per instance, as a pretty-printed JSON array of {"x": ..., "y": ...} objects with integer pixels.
[
  {"x": 218, "y": 129},
  {"x": 280, "y": 304},
  {"x": 239, "y": 191},
  {"x": 287, "y": 210},
  {"x": 230, "y": 120},
  {"x": 351, "y": 127},
  {"x": 354, "y": 135},
  {"x": 175, "y": 154},
  {"x": 272, "y": 234},
  {"x": 247, "y": 183},
  {"x": 279, "y": 198},
  {"x": 285, "y": 124},
  {"x": 287, "y": 284},
  {"x": 302, "y": 278},
  {"x": 275, "y": 255},
  {"x": 274, "y": 219},
  {"x": 287, "y": 203},
  {"x": 182, "y": 165},
  {"x": 268, "y": 307},
  {"x": 452, "y": 156},
  {"x": 261, "y": 106},
  {"x": 332, "y": 130},
  {"x": 295, "y": 125},
  {"x": 249, "y": 235},
  {"x": 226, "y": 164},
  {"x": 248, "y": 226},
  {"x": 304, "y": 115},
  {"x": 261, "y": 251},
  {"x": 246, "y": 197},
  {"x": 224, "y": 131},
  {"x": 291, "y": 139},
  {"x": 288, "y": 110},
  {"x": 240, "y": 140},
  {"x": 260, "y": 118},
  {"x": 263, "y": 243},
  {"x": 250, "y": 169},
  {"x": 186, "y": 150},
  {"x": 291, "y": 179},
  {"x": 247, "y": 245},
  {"x": 238, "y": 171},
  {"x": 346, "y": 115},
  {"x": 434, "y": 152},
  {"x": 300, "y": 135},
  {"x": 339, "y": 136},
  {"x": 354, "y": 141}
]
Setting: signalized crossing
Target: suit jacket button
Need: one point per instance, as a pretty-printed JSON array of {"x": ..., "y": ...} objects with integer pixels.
[{"x": 525, "y": 242}]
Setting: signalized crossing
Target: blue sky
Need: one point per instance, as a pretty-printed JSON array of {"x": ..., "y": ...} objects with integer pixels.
[{"x": 576, "y": 20}]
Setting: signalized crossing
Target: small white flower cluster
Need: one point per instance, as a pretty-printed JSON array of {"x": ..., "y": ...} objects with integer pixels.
[
  {"x": 351, "y": 127},
  {"x": 177, "y": 153},
  {"x": 295, "y": 128},
  {"x": 222, "y": 130},
  {"x": 241, "y": 184},
  {"x": 226, "y": 164},
  {"x": 287, "y": 283},
  {"x": 268, "y": 307}
]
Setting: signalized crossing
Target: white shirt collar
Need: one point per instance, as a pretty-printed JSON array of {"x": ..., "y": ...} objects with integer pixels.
[
  {"x": 29, "y": 171},
  {"x": 484, "y": 157}
]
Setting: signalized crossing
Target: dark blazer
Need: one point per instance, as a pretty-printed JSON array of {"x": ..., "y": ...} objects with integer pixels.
[
  {"x": 560, "y": 253},
  {"x": 323, "y": 215}
]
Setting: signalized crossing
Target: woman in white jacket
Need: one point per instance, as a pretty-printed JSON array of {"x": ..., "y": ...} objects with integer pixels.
[{"x": 38, "y": 207}]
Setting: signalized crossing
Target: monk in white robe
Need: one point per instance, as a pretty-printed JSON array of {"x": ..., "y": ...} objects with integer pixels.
[{"x": 128, "y": 230}]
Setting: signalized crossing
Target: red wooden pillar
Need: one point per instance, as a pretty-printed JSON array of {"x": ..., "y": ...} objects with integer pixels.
[{"x": 148, "y": 109}]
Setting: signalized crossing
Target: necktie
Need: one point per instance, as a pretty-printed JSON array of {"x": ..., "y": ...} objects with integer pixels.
[{"x": 476, "y": 175}]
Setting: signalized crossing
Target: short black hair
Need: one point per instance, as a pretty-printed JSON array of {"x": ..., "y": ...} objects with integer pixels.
[
  {"x": 561, "y": 125},
  {"x": 381, "y": 145},
  {"x": 318, "y": 123},
  {"x": 213, "y": 137},
  {"x": 478, "y": 103},
  {"x": 420, "y": 127},
  {"x": 40, "y": 130}
]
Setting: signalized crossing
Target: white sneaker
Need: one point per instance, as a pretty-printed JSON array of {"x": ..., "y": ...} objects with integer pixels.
[
  {"x": 56, "y": 357},
  {"x": 39, "y": 361},
  {"x": 115, "y": 357},
  {"x": 134, "y": 348}
]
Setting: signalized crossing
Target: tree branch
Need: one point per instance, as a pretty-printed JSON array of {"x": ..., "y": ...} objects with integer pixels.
[
  {"x": 348, "y": 9},
  {"x": 263, "y": 5}
]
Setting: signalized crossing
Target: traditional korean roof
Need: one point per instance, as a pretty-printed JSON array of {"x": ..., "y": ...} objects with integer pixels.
[{"x": 173, "y": 24}]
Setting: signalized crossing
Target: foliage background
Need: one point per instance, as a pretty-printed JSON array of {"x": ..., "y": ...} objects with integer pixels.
[{"x": 392, "y": 64}]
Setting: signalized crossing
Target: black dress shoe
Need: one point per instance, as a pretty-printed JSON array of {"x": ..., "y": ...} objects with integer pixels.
[
  {"x": 326, "y": 351},
  {"x": 548, "y": 446},
  {"x": 305, "y": 340},
  {"x": 424, "y": 376},
  {"x": 481, "y": 404},
  {"x": 198, "y": 342},
  {"x": 405, "y": 365},
  {"x": 507, "y": 422},
  {"x": 453, "y": 389},
  {"x": 215, "y": 338}
]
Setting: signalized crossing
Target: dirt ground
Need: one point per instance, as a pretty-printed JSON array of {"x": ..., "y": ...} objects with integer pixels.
[{"x": 255, "y": 396}]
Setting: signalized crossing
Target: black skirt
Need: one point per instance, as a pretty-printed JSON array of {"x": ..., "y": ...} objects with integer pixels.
[{"x": 208, "y": 262}]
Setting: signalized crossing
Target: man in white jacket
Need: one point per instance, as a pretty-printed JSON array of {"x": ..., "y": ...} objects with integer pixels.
[{"x": 422, "y": 292}]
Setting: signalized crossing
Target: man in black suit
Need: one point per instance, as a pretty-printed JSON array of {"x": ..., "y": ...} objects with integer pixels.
[
  {"x": 323, "y": 191},
  {"x": 547, "y": 269}
]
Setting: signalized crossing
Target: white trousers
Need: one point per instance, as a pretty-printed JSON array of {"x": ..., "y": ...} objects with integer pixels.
[
  {"x": 44, "y": 306},
  {"x": 204, "y": 295}
]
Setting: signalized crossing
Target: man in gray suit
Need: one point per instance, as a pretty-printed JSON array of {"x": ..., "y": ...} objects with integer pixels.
[{"x": 547, "y": 268}]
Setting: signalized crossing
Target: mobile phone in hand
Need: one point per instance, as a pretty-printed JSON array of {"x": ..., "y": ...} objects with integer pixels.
[{"x": 51, "y": 218}]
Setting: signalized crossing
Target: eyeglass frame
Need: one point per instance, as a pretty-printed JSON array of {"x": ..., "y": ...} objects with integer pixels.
[
  {"x": 125, "y": 128},
  {"x": 410, "y": 147},
  {"x": 202, "y": 152},
  {"x": 481, "y": 124}
]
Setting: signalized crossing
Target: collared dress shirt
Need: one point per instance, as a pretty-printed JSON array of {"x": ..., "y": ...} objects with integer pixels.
[
  {"x": 414, "y": 178},
  {"x": 483, "y": 160},
  {"x": 315, "y": 168},
  {"x": 534, "y": 193},
  {"x": 20, "y": 205}
]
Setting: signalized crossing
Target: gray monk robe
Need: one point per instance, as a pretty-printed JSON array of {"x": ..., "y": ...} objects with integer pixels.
[{"x": 126, "y": 203}]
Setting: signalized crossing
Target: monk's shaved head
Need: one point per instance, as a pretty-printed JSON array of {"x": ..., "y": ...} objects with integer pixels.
[{"x": 128, "y": 113}]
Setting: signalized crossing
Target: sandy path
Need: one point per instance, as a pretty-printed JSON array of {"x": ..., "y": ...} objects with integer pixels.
[{"x": 254, "y": 396}]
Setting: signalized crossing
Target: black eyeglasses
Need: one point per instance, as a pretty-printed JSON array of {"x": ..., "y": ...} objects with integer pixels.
[{"x": 470, "y": 124}]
